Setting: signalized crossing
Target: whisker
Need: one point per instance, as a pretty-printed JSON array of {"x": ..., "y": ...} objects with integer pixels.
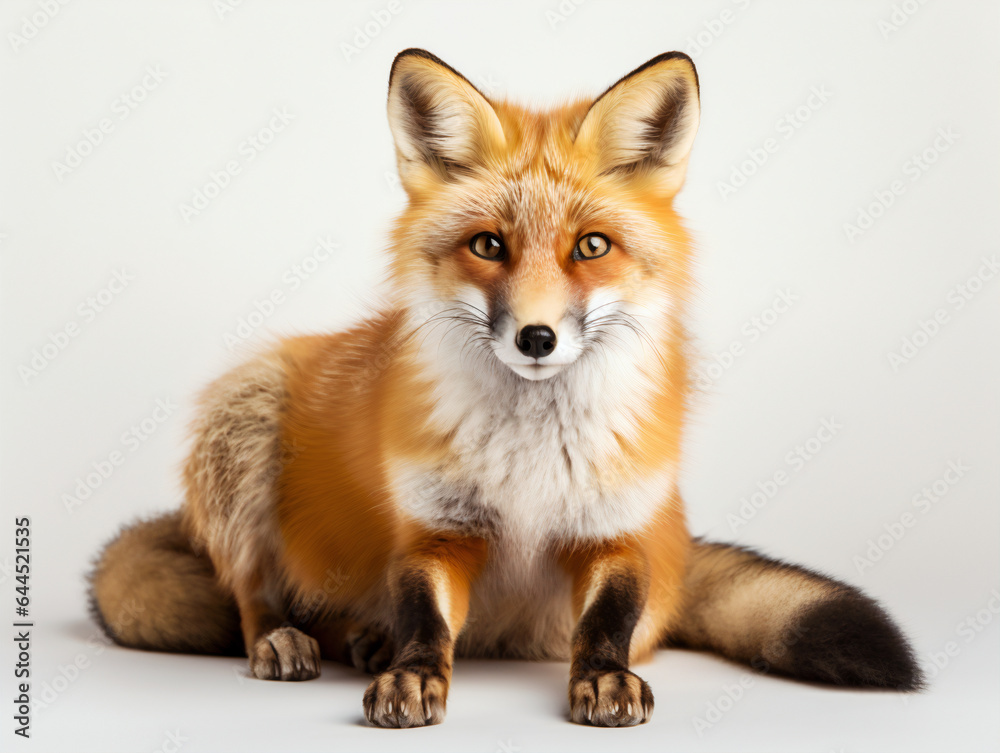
[{"x": 596, "y": 329}]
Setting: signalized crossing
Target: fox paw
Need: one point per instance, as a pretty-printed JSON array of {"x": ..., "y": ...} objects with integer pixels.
[
  {"x": 285, "y": 654},
  {"x": 406, "y": 697},
  {"x": 610, "y": 699},
  {"x": 370, "y": 650}
]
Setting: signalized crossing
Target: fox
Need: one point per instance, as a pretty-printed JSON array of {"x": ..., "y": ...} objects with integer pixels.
[{"x": 487, "y": 465}]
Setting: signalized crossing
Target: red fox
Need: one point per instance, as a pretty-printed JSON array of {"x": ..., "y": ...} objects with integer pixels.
[{"x": 487, "y": 466}]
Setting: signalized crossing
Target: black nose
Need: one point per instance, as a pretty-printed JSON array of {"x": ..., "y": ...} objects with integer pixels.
[{"x": 536, "y": 340}]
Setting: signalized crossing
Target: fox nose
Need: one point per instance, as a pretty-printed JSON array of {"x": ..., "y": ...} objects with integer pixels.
[{"x": 536, "y": 340}]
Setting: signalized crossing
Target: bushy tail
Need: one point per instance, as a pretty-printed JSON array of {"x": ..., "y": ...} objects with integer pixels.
[
  {"x": 785, "y": 619},
  {"x": 150, "y": 590}
]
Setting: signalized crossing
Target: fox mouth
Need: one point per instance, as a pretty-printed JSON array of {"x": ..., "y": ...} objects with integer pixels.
[{"x": 535, "y": 372}]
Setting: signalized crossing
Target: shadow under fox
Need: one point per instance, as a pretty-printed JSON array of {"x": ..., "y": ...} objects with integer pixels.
[{"x": 487, "y": 465}]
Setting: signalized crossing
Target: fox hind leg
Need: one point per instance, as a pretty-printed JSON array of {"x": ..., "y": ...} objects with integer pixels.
[
  {"x": 367, "y": 648},
  {"x": 277, "y": 650},
  {"x": 231, "y": 477}
]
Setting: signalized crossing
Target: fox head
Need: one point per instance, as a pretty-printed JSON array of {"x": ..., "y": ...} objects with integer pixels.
[{"x": 541, "y": 239}]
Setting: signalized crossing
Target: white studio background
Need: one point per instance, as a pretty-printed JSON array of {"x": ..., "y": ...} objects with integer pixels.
[{"x": 846, "y": 168}]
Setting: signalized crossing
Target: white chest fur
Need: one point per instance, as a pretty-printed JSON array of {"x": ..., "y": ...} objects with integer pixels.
[
  {"x": 525, "y": 460},
  {"x": 523, "y": 474}
]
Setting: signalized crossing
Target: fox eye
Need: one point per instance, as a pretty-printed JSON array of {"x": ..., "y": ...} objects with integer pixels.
[
  {"x": 591, "y": 246},
  {"x": 487, "y": 246}
]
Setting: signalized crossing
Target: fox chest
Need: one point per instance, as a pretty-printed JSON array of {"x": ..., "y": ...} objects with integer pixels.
[
  {"x": 531, "y": 478},
  {"x": 528, "y": 485}
]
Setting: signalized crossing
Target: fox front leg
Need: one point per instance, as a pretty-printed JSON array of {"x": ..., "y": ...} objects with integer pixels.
[
  {"x": 610, "y": 589},
  {"x": 429, "y": 589}
]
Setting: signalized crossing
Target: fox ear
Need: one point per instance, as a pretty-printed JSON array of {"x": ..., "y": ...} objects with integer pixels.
[
  {"x": 646, "y": 122},
  {"x": 442, "y": 124}
]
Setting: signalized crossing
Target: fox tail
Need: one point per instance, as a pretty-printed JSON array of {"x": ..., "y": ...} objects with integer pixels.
[{"x": 788, "y": 620}]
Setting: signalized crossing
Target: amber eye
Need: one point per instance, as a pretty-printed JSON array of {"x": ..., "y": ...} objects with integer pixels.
[
  {"x": 487, "y": 246},
  {"x": 591, "y": 246}
]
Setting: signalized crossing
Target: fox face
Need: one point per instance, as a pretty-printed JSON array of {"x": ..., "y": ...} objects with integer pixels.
[{"x": 536, "y": 240}]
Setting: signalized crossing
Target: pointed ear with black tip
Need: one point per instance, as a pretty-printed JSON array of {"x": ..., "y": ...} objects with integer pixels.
[
  {"x": 646, "y": 122},
  {"x": 442, "y": 125}
]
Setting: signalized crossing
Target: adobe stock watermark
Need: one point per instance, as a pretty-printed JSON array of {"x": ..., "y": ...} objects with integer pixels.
[
  {"x": 6, "y": 569},
  {"x": 86, "y": 313},
  {"x": 712, "y": 29},
  {"x": 923, "y": 501},
  {"x": 786, "y": 127},
  {"x": 365, "y": 34},
  {"x": 898, "y": 17},
  {"x": 724, "y": 702},
  {"x": 248, "y": 150},
  {"x": 866, "y": 215},
  {"x": 562, "y": 12},
  {"x": 121, "y": 107},
  {"x": 956, "y": 299},
  {"x": 291, "y": 280},
  {"x": 752, "y": 330},
  {"x": 173, "y": 741},
  {"x": 733, "y": 693},
  {"x": 49, "y": 691},
  {"x": 67, "y": 674},
  {"x": 968, "y": 629},
  {"x": 104, "y": 468},
  {"x": 312, "y": 603},
  {"x": 223, "y": 8},
  {"x": 32, "y": 25},
  {"x": 795, "y": 460}
]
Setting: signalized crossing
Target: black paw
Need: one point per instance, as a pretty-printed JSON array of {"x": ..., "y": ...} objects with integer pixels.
[
  {"x": 406, "y": 697},
  {"x": 616, "y": 698}
]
